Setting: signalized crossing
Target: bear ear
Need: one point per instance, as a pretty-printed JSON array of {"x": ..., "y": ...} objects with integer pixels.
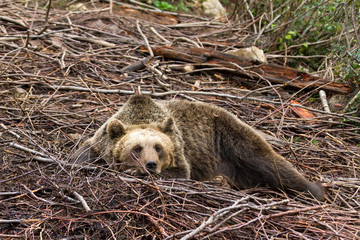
[
  {"x": 167, "y": 125},
  {"x": 115, "y": 129}
]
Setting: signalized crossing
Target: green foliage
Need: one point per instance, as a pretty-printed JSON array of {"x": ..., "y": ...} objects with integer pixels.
[
  {"x": 290, "y": 35},
  {"x": 183, "y": 7},
  {"x": 313, "y": 21},
  {"x": 311, "y": 27},
  {"x": 295, "y": 139},
  {"x": 166, "y": 6},
  {"x": 315, "y": 142}
]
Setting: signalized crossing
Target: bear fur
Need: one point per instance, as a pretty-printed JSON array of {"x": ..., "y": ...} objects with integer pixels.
[{"x": 182, "y": 139}]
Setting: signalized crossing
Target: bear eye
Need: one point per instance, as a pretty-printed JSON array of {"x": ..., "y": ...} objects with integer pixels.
[
  {"x": 158, "y": 148},
  {"x": 137, "y": 149}
]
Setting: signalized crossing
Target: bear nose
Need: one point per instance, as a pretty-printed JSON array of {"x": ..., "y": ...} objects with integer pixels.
[{"x": 151, "y": 165}]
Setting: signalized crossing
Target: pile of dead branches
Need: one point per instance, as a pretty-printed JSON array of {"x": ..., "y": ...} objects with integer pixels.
[{"x": 64, "y": 72}]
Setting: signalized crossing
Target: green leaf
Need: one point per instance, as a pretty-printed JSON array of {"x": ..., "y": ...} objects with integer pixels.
[{"x": 288, "y": 37}]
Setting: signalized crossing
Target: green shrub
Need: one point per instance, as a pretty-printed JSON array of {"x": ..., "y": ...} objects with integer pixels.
[{"x": 308, "y": 28}]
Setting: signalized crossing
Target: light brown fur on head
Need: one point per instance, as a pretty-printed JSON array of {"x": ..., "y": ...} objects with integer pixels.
[{"x": 141, "y": 148}]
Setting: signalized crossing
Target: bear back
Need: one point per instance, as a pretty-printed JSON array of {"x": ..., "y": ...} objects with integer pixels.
[{"x": 141, "y": 109}]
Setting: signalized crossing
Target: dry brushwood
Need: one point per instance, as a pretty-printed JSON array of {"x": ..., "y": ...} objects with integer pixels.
[{"x": 63, "y": 72}]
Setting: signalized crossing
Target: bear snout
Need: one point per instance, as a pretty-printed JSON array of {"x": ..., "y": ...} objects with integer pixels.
[{"x": 151, "y": 165}]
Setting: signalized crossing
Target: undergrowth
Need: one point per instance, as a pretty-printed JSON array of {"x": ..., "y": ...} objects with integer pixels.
[{"x": 327, "y": 31}]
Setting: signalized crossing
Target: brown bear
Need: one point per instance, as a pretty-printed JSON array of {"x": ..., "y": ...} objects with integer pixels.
[{"x": 182, "y": 139}]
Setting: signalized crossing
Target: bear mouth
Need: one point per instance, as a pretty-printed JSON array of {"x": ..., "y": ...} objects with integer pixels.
[{"x": 140, "y": 172}]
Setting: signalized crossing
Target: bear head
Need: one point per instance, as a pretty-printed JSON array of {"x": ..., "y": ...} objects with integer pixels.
[{"x": 138, "y": 149}]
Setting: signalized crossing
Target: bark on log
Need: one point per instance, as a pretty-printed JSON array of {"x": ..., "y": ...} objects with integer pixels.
[{"x": 272, "y": 72}]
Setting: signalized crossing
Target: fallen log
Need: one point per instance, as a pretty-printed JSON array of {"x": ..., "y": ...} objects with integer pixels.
[{"x": 289, "y": 77}]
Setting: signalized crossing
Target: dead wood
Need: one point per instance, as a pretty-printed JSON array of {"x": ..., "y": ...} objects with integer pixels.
[
  {"x": 136, "y": 66},
  {"x": 288, "y": 77}
]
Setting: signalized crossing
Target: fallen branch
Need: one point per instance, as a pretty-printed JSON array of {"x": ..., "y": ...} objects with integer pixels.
[
  {"x": 324, "y": 102},
  {"x": 289, "y": 77},
  {"x": 136, "y": 65},
  {"x": 145, "y": 40},
  {"x": 222, "y": 212},
  {"x": 20, "y": 23},
  {"x": 44, "y": 158},
  {"x": 213, "y": 218},
  {"x": 91, "y": 40},
  {"x": 38, "y": 198},
  {"x": 46, "y": 18},
  {"x": 5, "y": 221},
  {"x": 82, "y": 200}
]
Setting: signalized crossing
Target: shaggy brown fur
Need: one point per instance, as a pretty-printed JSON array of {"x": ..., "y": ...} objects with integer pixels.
[{"x": 203, "y": 141}]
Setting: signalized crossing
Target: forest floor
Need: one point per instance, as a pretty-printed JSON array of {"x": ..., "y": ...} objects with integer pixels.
[{"x": 64, "y": 73}]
